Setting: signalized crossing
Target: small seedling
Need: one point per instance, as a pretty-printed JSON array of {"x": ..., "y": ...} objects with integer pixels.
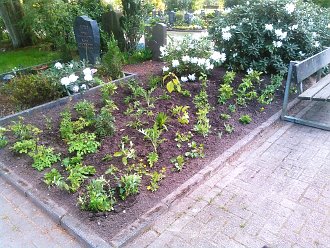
[
  {"x": 225, "y": 116},
  {"x": 229, "y": 128},
  {"x": 245, "y": 119}
]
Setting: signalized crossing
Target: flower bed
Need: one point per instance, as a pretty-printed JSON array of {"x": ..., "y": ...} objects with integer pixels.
[{"x": 150, "y": 143}]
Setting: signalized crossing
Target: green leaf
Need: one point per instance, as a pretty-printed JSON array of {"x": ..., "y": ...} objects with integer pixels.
[
  {"x": 118, "y": 154},
  {"x": 170, "y": 86}
]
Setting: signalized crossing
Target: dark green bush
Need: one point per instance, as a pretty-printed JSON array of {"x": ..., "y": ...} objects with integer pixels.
[{"x": 32, "y": 90}]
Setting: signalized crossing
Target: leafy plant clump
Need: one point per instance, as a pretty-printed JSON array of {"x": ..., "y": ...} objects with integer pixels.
[
  {"x": 267, "y": 35},
  {"x": 112, "y": 61},
  {"x": 245, "y": 119}
]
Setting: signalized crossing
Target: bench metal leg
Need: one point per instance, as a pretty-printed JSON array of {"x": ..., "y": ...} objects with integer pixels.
[{"x": 287, "y": 91}]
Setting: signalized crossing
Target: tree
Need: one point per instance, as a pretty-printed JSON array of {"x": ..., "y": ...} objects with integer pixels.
[{"x": 11, "y": 12}]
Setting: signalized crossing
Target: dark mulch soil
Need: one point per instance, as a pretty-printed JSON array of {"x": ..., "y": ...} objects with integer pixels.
[{"x": 108, "y": 224}]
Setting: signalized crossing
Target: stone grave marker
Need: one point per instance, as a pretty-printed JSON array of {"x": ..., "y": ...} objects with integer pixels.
[
  {"x": 87, "y": 36},
  {"x": 188, "y": 18},
  {"x": 157, "y": 38},
  {"x": 171, "y": 17},
  {"x": 154, "y": 13},
  {"x": 216, "y": 12},
  {"x": 111, "y": 25}
]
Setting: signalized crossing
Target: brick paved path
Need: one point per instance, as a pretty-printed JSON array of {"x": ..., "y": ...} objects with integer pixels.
[
  {"x": 276, "y": 195},
  {"x": 23, "y": 225}
]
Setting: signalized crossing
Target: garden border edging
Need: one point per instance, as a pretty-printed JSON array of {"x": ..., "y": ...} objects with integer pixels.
[
  {"x": 90, "y": 239},
  {"x": 61, "y": 101}
]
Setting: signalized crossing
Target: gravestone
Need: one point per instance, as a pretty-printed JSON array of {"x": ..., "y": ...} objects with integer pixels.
[
  {"x": 87, "y": 36},
  {"x": 188, "y": 18},
  {"x": 157, "y": 38},
  {"x": 216, "y": 12},
  {"x": 111, "y": 25},
  {"x": 202, "y": 13},
  {"x": 154, "y": 13},
  {"x": 171, "y": 17}
]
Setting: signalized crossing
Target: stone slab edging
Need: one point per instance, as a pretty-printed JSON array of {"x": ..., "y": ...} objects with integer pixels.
[
  {"x": 61, "y": 101},
  {"x": 141, "y": 225},
  {"x": 89, "y": 238}
]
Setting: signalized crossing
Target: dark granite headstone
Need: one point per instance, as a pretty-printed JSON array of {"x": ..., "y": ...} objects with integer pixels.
[
  {"x": 188, "y": 17},
  {"x": 171, "y": 17},
  {"x": 87, "y": 36},
  {"x": 111, "y": 25},
  {"x": 158, "y": 38}
]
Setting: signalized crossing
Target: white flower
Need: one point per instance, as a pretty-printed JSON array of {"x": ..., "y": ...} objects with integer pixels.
[
  {"x": 233, "y": 27},
  {"x": 73, "y": 78},
  {"x": 71, "y": 65},
  {"x": 234, "y": 55},
  {"x": 314, "y": 35},
  {"x": 83, "y": 87},
  {"x": 268, "y": 27},
  {"x": 226, "y": 35},
  {"x": 184, "y": 79},
  {"x": 163, "y": 51},
  {"x": 192, "y": 77},
  {"x": 175, "y": 63},
  {"x": 209, "y": 67},
  {"x": 222, "y": 57},
  {"x": 185, "y": 59},
  {"x": 301, "y": 54},
  {"x": 215, "y": 56},
  {"x": 58, "y": 65},
  {"x": 280, "y": 34},
  {"x": 88, "y": 77},
  {"x": 316, "y": 44},
  {"x": 289, "y": 7},
  {"x": 194, "y": 60},
  {"x": 165, "y": 69},
  {"x": 93, "y": 70},
  {"x": 226, "y": 29},
  {"x": 249, "y": 71},
  {"x": 277, "y": 43},
  {"x": 227, "y": 10},
  {"x": 87, "y": 71},
  {"x": 294, "y": 27},
  {"x": 201, "y": 61},
  {"x": 75, "y": 88},
  {"x": 65, "y": 81}
]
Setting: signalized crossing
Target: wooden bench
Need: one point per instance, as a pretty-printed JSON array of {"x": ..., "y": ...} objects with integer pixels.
[{"x": 320, "y": 91}]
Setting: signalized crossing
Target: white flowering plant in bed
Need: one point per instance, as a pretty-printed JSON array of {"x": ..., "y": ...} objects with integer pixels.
[
  {"x": 189, "y": 58},
  {"x": 74, "y": 76},
  {"x": 267, "y": 35}
]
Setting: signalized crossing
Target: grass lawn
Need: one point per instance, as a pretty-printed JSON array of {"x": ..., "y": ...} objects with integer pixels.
[{"x": 25, "y": 57}]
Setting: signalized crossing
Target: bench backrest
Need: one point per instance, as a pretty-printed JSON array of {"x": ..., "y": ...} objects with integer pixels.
[{"x": 309, "y": 66}]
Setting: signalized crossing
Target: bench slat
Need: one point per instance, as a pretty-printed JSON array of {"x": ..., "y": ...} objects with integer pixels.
[
  {"x": 316, "y": 89},
  {"x": 310, "y": 65},
  {"x": 322, "y": 95}
]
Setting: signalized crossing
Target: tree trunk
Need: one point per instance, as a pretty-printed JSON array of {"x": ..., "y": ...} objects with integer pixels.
[{"x": 11, "y": 12}]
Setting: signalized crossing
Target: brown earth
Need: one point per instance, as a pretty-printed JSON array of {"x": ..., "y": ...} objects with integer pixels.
[{"x": 110, "y": 223}]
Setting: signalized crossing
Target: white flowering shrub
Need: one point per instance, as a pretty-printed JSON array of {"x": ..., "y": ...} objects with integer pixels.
[
  {"x": 266, "y": 35},
  {"x": 190, "y": 58}
]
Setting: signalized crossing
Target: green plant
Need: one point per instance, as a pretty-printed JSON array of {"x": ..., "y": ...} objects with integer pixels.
[
  {"x": 3, "y": 138},
  {"x": 245, "y": 91},
  {"x": 267, "y": 35},
  {"x": 152, "y": 158},
  {"x": 225, "y": 93},
  {"x": 43, "y": 157},
  {"x": 98, "y": 198},
  {"x": 86, "y": 109},
  {"x": 54, "y": 178},
  {"x": 201, "y": 100},
  {"x": 24, "y": 131},
  {"x": 107, "y": 90},
  {"x": 83, "y": 143},
  {"x": 195, "y": 150},
  {"x": 112, "y": 61},
  {"x": 30, "y": 90},
  {"x": 203, "y": 123},
  {"x": 173, "y": 84},
  {"x": 178, "y": 162},
  {"x": 182, "y": 137},
  {"x": 154, "y": 81},
  {"x": 225, "y": 116},
  {"x": 77, "y": 174},
  {"x": 229, "y": 128},
  {"x": 161, "y": 120},
  {"x": 232, "y": 108},
  {"x": 155, "y": 178},
  {"x": 66, "y": 125},
  {"x": 182, "y": 114},
  {"x": 24, "y": 146},
  {"x": 153, "y": 134},
  {"x": 245, "y": 119},
  {"x": 267, "y": 94},
  {"x": 125, "y": 152},
  {"x": 105, "y": 123},
  {"x": 129, "y": 185},
  {"x": 48, "y": 122}
]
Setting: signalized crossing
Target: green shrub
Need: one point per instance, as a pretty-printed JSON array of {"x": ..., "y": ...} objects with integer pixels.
[
  {"x": 129, "y": 185},
  {"x": 112, "y": 61},
  {"x": 105, "y": 123},
  {"x": 266, "y": 35},
  {"x": 31, "y": 90}
]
